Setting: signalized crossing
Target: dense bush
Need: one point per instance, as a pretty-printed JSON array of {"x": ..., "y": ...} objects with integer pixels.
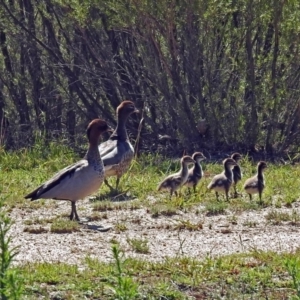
[{"x": 233, "y": 63}]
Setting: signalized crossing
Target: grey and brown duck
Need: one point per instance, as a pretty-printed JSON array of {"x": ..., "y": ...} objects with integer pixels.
[
  {"x": 174, "y": 181},
  {"x": 196, "y": 172},
  {"x": 117, "y": 152},
  {"x": 222, "y": 182},
  {"x": 79, "y": 180},
  {"x": 256, "y": 184},
  {"x": 236, "y": 171}
]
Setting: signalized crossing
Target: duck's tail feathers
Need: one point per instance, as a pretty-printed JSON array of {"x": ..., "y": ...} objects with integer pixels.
[{"x": 33, "y": 195}]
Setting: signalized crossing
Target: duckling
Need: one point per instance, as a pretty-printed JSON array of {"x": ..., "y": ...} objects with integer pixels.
[
  {"x": 237, "y": 173},
  {"x": 79, "y": 180},
  {"x": 256, "y": 184},
  {"x": 117, "y": 152},
  {"x": 174, "y": 181},
  {"x": 223, "y": 181},
  {"x": 195, "y": 173}
]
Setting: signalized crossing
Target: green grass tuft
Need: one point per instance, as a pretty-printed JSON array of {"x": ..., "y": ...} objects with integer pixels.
[
  {"x": 139, "y": 245},
  {"x": 215, "y": 208},
  {"x": 64, "y": 226}
]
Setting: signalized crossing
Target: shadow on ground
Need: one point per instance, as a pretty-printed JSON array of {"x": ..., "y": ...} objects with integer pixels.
[{"x": 114, "y": 196}]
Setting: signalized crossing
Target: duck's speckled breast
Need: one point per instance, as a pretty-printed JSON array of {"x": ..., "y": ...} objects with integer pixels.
[{"x": 124, "y": 163}]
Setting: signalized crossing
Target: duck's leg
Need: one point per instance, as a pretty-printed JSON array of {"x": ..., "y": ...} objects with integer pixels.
[
  {"x": 176, "y": 194},
  {"x": 74, "y": 215},
  {"x": 110, "y": 187},
  {"x": 235, "y": 192},
  {"x": 72, "y": 212},
  {"x": 217, "y": 196},
  {"x": 117, "y": 182},
  {"x": 226, "y": 193},
  {"x": 260, "y": 197},
  {"x": 194, "y": 187},
  {"x": 173, "y": 190},
  {"x": 250, "y": 196}
]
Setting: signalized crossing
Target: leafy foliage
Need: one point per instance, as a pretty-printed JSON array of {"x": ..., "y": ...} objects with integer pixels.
[{"x": 207, "y": 74}]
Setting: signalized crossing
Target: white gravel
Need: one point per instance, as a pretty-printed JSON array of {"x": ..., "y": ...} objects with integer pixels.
[{"x": 218, "y": 236}]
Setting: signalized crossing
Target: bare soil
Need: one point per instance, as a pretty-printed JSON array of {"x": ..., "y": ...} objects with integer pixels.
[{"x": 221, "y": 234}]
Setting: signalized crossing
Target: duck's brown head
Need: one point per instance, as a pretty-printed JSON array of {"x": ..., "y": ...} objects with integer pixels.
[
  {"x": 95, "y": 129},
  {"x": 187, "y": 160},
  {"x": 262, "y": 165},
  {"x": 198, "y": 156},
  {"x": 229, "y": 163},
  {"x": 236, "y": 156},
  {"x": 126, "y": 108}
]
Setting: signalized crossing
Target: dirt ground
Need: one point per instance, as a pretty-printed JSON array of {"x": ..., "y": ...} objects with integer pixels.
[{"x": 220, "y": 235}]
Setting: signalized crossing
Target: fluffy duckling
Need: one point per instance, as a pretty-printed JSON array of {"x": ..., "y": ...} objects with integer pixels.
[
  {"x": 174, "y": 181},
  {"x": 79, "y": 180},
  {"x": 256, "y": 184},
  {"x": 237, "y": 173},
  {"x": 223, "y": 181},
  {"x": 117, "y": 152},
  {"x": 195, "y": 173}
]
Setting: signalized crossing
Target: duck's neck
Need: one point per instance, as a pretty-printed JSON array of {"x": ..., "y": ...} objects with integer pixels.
[
  {"x": 184, "y": 171},
  {"x": 260, "y": 174},
  {"x": 120, "y": 131},
  {"x": 93, "y": 154},
  {"x": 228, "y": 173},
  {"x": 197, "y": 171}
]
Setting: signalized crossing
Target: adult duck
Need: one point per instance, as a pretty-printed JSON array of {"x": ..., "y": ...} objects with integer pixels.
[
  {"x": 117, "y": 152},
  {"x": 79, "y": 180}
]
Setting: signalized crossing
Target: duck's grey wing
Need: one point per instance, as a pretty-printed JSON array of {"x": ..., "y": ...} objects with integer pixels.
[
  {"x": 217, "y": 180},
  {"x": 172, "y": 179},
  {"x": 117, "y": 154},
  {"x": 67, "y": 172},
  {"x": 251, "y": 183},
  {"x": 106, "y": 147}
]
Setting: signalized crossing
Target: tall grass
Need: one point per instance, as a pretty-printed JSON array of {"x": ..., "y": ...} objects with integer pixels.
[
  {"x": 11, "y": 286},
  {"x": 125, "y": 288},
  {"x": 292, "y": 265}
]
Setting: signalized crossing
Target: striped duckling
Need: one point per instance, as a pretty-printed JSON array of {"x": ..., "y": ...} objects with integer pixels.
[
  {"x": 223, "y": 181},
  {"x": 237, "y": 173},
  {"x": 79, "y": 180},
  {"x": 256, "y": 184},
  {"x": 117, "y": 152},
  {"x": 195, "y": 173},
  {"x": 174, "y": 181}
]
